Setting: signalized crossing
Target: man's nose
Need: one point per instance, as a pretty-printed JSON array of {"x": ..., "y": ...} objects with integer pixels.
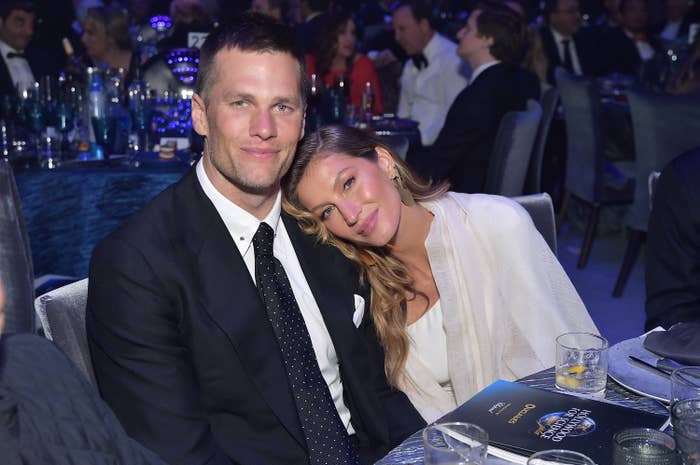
[{"x": 263, "y": 124}]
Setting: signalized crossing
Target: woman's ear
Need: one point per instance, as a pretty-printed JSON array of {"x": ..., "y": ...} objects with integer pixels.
[{"x": 386, "y": 162}]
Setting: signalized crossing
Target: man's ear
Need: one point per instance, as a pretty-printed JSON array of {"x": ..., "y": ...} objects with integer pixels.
[
  {"x": 199, "y": 116},
  {"x": 303, "y": 121}
]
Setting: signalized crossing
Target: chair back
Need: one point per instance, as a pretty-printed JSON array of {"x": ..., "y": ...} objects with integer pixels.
[
  {"x": 512, "y": 151},
  {"x": 540, "y": 208},
  {"x": 664, "y": 127},
  {"x": 549, "y": 100},
  {"x": 16, "y": 270},
  {"x": 584, "y": 135},
  {"x": 62, "y": 315},
  {"x": 653, "y": 179}
]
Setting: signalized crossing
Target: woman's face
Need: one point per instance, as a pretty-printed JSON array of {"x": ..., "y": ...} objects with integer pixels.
[
  {"x": 95, "y": 40},
  {"x": 346, "y": 40},
  {"x": 355, "y": 198}
]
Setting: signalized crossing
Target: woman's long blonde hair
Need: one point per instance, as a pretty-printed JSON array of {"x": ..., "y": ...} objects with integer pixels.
[{"x": 387, "y": 276}]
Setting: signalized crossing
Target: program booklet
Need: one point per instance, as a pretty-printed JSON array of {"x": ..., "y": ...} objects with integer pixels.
[{"x": 521, "y": 420}]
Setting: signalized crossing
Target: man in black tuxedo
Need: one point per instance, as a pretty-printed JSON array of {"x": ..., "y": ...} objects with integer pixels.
[
  {"x": 629, "y": 47},
  {"x": 673, "y": 245},
  {"x": 565, "y": 43},
  {"x": 20, "y": 66},
  {"x": 493, "y": 43},
  {"x": 315, "y": 15},
  {"x": 198, "y": 363}
]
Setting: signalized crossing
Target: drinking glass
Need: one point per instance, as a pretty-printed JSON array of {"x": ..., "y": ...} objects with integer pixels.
[
  {"x": 581, "y": 362},
  {"x": 559, "y": 457},
  {"x": 455, "y": 444},
  {"x": 685, "y": 384},
  {"x": 643, "y": 446},
  {"x": 685, "y": 416}
]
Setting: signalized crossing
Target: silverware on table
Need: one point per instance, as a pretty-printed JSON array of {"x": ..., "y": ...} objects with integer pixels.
[{"x": 638, "y": 362}]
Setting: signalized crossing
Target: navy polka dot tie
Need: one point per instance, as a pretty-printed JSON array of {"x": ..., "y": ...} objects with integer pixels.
[{"x": 326, "y": 437}]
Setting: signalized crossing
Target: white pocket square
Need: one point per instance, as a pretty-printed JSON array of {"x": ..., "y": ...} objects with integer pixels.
[{"x": 359, "y": 310}]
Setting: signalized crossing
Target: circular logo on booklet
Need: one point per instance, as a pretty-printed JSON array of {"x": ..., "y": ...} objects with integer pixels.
[{"x": 570, "y": 424}]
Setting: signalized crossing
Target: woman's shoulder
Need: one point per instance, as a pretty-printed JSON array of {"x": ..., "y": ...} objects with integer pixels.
[
  {"x": 362, "y": 63},
  {"x": 495, "y": 207}
]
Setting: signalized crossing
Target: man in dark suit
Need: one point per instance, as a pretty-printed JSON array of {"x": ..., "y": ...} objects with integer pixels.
[
  {"x": 198, "y": 363},
  {"x": 630, "y": 47},
  {"x": 565, "y": 43},
  {"x": 673, "y": 245},
  {"x": 315, "y": 15},
  {"x": 20, "y": 66},
  {"x": 493, "y": 42}
]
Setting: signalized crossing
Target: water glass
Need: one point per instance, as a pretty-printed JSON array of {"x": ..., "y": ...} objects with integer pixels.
[
  {"x": 455, "y": 444},
  {"x": 685, "y": 384},
  {"x": 685, "y": 416},
  {"x": 644, "y": 446},
  {"x": 559, "y": 457},
  {"x": 581, "y": 362}
]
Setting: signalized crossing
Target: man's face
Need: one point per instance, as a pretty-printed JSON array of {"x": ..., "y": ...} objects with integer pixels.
[
  {"x": 566, "y": 19},
  {"x": 411, "y": 35},
  {"x": 633, "y": 16},
  {"x": 471, "y": 43},
  {"x": 252, "y": 118},
  {"x": 17, "y": 29}
]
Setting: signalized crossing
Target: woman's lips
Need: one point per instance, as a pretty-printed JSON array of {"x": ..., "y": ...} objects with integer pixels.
[{"x": 368, "y": 224}]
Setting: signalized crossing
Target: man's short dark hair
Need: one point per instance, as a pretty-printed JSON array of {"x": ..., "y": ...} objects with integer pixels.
[
  {"x": 623, "y": 4},
  {"x": 7, "y": 6},
  {"x": 248, "y": 32},
  {"x": 420, "y": 9},
  {"x": 506, "y": 28},
  {"x": 549, "y": 7},
  {"x": 319, "y": 5}
]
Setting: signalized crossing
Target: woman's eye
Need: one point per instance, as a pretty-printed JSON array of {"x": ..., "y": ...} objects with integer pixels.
[
  {"x": 348, "y": 183},
  {"x": 325, "y": 213}
]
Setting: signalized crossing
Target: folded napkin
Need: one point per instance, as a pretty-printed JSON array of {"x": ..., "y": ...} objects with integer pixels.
[{"x": 680, "y": 343}]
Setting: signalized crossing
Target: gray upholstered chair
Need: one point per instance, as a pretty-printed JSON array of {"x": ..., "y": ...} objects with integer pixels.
[
  {"x": 16, "y": 270},
  {"x": 585, "y": 158},
  {"x": 664, "y": 126},
  {"x": 540, "y": 208},
  {"x": 512, "y": 151},
  {"x": 62, "y": 315},
  {"x": 549, "y": 100}
]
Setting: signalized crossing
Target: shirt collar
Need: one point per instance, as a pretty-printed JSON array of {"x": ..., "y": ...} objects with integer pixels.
[
  {"x": 241, "y": 224},
  {"x": 431, "y": 50},
  {"x": 481, "y": 68},
  {"x": 558, "y": 37},
  {"x": 5, "y": 49}
]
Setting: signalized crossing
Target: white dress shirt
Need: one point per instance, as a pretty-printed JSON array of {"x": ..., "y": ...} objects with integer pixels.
[
  {"x": 559, "y": 40},
  {"x": 644, "y": 48},
  {"x": 480, "y": 69},
  {"x": 242, "y": 226},
  {"x": 20, "y": 72},
  {"x": 427, "y": 94}
]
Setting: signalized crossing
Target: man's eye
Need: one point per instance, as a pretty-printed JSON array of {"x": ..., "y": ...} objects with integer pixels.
[
  {"x": 238, "y": 103},
  {"x": 283, "y": 107},
  {"x": 325, "y": 213},
  {"x": 348, "y": 183}
]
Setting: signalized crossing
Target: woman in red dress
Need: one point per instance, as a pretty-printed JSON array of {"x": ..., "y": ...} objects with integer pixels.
[{"x": 337, "y": 57}]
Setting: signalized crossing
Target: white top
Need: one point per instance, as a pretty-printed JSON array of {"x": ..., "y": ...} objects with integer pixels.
[
  {"x": 20, "y": 72},
  {"x": 559, "y": 40},
  {"x": 427, "y": 94},
  {"x": 429, "y": 343},
  {"x": 504, "y": 296},
  {"x": 242, "y": 226},
  {"x": 480, "y": 69},
  {"x": 644, "y": 48}
]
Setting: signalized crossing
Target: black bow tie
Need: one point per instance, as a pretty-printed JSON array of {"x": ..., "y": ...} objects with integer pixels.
[
  {"x": 419, "y": 61},
  {"x": 15, "y": 55}
]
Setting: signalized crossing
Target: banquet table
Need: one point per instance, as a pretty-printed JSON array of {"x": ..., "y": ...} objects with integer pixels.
[
  {"x": 67, "y": 210},
  {"x": 410, "y": 451}
]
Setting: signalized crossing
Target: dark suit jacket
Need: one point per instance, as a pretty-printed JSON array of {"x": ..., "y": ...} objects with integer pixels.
[
  {"x": 184, "y": 352},
  {"x": 463, "y": 148},
  {"x": 673, "y": 245},
  {"x": 307, "y": 33},
  {"x": 586, "y": 49},
  {"x": 620, "y": 52},
  {"x": 39, "y": 62}
]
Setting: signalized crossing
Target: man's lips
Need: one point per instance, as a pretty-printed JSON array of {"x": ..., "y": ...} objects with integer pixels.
[
  {"x": 368, "y": 224},
  {"x": 261, "y": 151}
]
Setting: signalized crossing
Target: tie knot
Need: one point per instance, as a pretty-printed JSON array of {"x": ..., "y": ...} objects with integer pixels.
[
  {"x": 419, "y": 61},
  {"x": 262, "y": 240}
]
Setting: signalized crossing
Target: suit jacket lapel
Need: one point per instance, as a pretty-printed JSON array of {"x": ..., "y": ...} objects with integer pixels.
[
  {"x": 333, "y": 292},
  {"x": 229, "y": 296}
]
